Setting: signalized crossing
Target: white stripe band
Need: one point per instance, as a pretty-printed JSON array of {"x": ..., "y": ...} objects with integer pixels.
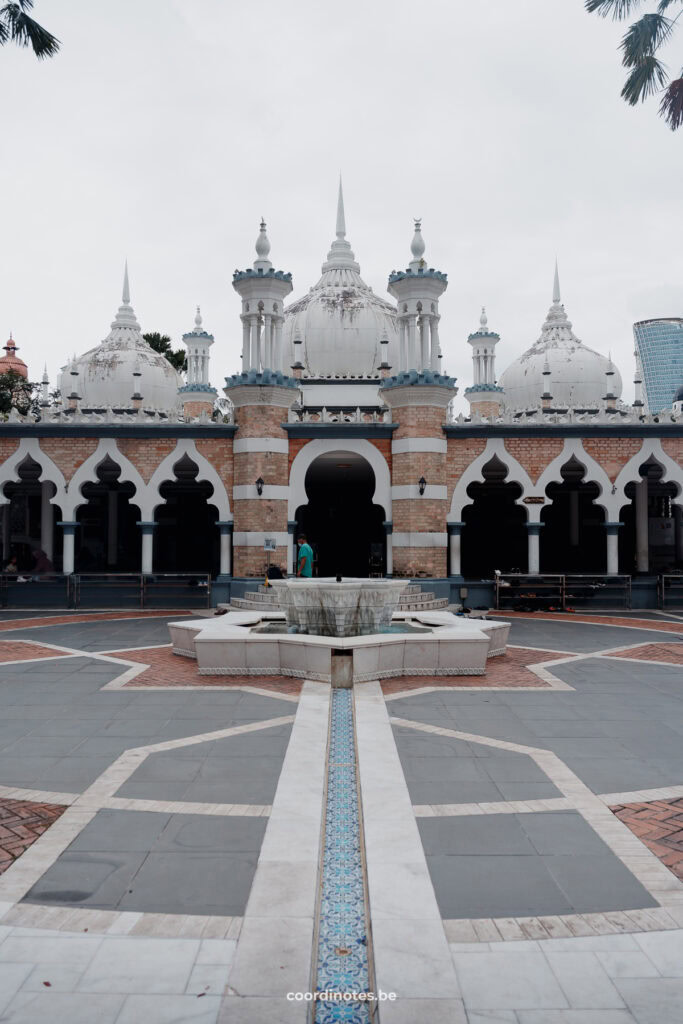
[
  {"x": 419, "y": 444},
  {"x": 261, "y": 444},
  {"x": 244, "y": 491},
  {"x": 419, "y": 540},
  {"x": 257, "y": 540},
  {"x": 403, "y": 491}
]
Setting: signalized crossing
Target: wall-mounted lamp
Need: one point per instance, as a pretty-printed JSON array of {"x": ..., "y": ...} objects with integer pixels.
[
  {"x": 422, "y": 485},
  {"x": 259, "y": 486}
]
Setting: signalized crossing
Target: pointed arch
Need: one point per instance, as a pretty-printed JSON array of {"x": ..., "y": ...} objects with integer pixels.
[
  {"x": 516, "y": 474},
  {"x": 593, "y": 473},
  {"x": 310, "y": 452},
  {"x": 87, "y": 473},
  {"x": 650, "y": 449},
  {"x": 49, "y": 470},
  {"x": 164, "y": 471}
]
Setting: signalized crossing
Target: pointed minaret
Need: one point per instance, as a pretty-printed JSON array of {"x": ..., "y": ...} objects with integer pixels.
[
  {"x": 125, "y": 318},
  {"x": 417, "y": 291},
  {"x": 484, "y": 395},
  {"x": 261, "y": 395},
  {"x": 546, "y": 397},
  {"x": 557, "y": 298},
  {"x": 263, "y": 292},
  {"x": 44, "y": 389},
  {"x": 340, "y": 256},
  {"x": 197, "y": 395},
  {"x": 418, "y": 397},
  {"x": 610, "y": 397}
]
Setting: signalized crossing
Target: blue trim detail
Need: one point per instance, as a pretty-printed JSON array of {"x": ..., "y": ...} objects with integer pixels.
[
  {"x": 407, "y": 274},
  {"x": 242, "y": 275},
  {"x": 204, "y": 388},
  {"x": 483, "y": 387},
  {"x": 268, "y": 378},
  {"x": 420, "y": 377}
]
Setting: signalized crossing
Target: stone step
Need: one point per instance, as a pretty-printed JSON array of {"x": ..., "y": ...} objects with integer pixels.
[
  {"x": 423, "y": 606},
  {"x": 425, "y": 602}
]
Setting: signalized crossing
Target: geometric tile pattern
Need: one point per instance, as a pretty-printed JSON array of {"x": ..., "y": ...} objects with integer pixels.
[
  {"x": 672, "y": 653},
  {"x": 342, "y": 944},
  {"x": 22, "y": 650},
  {"x": 599, "y": 620},
  {"x": 167, "y": 669},
  {"x": 59, "y": 620},
  {"x": 659, "y": 825},
  {"x": 509, "y": 669},
  {"x": 21, "y": 823}
]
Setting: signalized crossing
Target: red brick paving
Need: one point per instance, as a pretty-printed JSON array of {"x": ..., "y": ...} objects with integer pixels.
[
  {"x": 59, "y": 620},
  {"x": 597, "y": 620},
  {"x": 506, "y": 670},
  {"x": 22, "y": 650},
  {"x": 168, "y": 669},
  {"x": 658, "y": 824},
  {"x": 21, "y": 823},
  {"x": 673, "y": 653}
]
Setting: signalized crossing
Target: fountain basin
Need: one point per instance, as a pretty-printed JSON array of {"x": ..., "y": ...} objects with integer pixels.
[
  {"x": 228, "y": 645},
  {"x": 349, "y": 607}
]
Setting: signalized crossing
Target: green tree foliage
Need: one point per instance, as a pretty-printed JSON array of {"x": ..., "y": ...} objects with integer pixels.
[
  {"x": 17, "y": 26},
  {"x": 17, "y": 393},
  {"x": 162, "y": 343},
  {"x": 647, "y": 74}
]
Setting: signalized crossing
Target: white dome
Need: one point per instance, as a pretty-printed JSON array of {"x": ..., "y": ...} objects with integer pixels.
[
  {"x": 106, "y": 373},
  {"x": 577, "y": 377},
  {"x": 341, "y": 322}
]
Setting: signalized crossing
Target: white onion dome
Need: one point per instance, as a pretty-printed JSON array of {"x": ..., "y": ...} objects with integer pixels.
[
  {"x": 340, "y": 323},
  {"x": 559, "y": 364},
  {"x": 103, "y": 376}
]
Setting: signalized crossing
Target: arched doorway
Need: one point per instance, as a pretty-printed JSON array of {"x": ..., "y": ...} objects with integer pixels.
[
  {"x": 108, "y": 539},
  {"x": 186, "y": 538},
  {"x": 494, "y": 535},
  {"x": 340, "y": 521},
  {"x": 573, "y": 538},
  {"x": 663, "y": 547},
  {"x": 28, "y": 520}
]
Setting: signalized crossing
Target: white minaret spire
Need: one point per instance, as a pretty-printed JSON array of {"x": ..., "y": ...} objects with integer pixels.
[
  {"x": 556, "y": 285},
  {"x": 417, "y": 246},
  {"x": 125, "y": 298},
  {"x": 341, "y": 220},
  {"x": 262, "y": 249}
]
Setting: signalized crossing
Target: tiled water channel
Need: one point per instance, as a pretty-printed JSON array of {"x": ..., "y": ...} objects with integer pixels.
[{"x": 343, "y": 959}]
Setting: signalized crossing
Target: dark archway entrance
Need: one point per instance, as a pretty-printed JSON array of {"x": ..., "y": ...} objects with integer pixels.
[
  {"x": 108, "y": 539},
  {"x": 340, "y": 521},
  {"x": 186, "y": 538},
  {"x": 494, "y": 535},
  {"x": 573, "y": 539}
]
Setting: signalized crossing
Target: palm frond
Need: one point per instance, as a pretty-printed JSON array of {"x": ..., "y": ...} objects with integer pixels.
[
  {"x": 646, "y": 78},
  {"x": 644, "y": 37},
  {"x": 25, "y": 31},
  {"x": 665, "y": 4},
  {"x": 619, "y": 9},
  {"x": 671, "y": 107}
]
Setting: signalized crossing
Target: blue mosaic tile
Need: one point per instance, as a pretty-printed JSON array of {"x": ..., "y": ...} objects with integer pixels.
[{"x": 342, "y": 964}]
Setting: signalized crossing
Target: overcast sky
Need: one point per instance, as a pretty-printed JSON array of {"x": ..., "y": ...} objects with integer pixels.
[{"x": 164, "y": 129}]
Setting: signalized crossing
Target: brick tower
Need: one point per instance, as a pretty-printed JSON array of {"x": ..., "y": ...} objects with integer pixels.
[
  {"x": 261, "y": 395},
  {"x": 418, "y": 397}
]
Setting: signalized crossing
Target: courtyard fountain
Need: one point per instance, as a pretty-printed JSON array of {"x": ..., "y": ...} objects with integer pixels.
[{"x": 339, "y": 632}]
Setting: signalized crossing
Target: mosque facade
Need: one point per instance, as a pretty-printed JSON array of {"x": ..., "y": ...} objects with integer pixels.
[{"x": 338, "y": 424}]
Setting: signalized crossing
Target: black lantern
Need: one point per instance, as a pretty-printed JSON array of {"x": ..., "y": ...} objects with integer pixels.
[
  {"x": 259, "y": 486},
  {"x": 422, "y": 485}
]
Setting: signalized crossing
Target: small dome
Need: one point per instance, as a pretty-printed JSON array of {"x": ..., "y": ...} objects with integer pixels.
[
  {"x": 105, "y": 373},
  {"x": 11, "y": 360},
  {"x": 341, "y": 322},
  {"x": 577, "y": 373},
  {"x": 678, "y": 397}
]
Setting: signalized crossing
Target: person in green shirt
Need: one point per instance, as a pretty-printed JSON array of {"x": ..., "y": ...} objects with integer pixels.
[{"x": 305, "y": 567}]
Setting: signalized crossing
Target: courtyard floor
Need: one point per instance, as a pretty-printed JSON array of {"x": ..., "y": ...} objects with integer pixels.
[{"x": 210, "y": 849}]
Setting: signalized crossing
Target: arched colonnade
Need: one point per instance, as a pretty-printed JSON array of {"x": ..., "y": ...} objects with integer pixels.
[{"x": 108, "y": 485}]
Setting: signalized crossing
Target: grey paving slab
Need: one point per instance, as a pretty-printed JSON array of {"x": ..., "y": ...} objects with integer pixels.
[
  {"x": 100, "y": 635},
  {"x": 579, "y": 637},
  {"x": 157, "y": 863},
  {"x": 525, "y": 864}
]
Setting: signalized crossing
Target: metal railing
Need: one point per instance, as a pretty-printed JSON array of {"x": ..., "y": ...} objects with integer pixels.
[
  {"x": 671, "y": 591},
  {"x": 557, "y": 592},
  {"x": 106, "y": 590}
]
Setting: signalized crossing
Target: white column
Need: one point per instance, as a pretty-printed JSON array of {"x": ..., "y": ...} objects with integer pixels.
[
  {"x": 574, "y": 518},
  {"x": 476, "y": 368},
  {"x": 612, "y": 554},
  {"x": 254, "y": 343},
  {"x": 147, "y": 549},
  {"x": 225, "y": 548},
  {"x": 46, "y": 519},
  {"x": 68, "y": 548},
  {"x": 402, "y": 360},
  {"x": 112, "y": 528},
  {"x": 424, "y": 342},
  {"x": 246, "y": 344},
  {"x": 277, "y": 345},
  {"x": 434, "y": 325},
  {"x": 412, "y": 356},
  {"x": 267, "y": 341},
  {"x": 5, "y": 510},
  {"x": 389, "y": 551},
  {"x": 533, "y": 548},
  {"x": 455, "y": 553},
  {"x": 642, "y": 538}
]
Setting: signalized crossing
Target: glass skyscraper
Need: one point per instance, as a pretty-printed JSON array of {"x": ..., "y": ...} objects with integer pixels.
[{"x": 659, "y": 345}]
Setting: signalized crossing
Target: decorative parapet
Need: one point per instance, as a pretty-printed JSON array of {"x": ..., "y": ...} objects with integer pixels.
[
  {"x": 340, "y": 415},
  {"x": 265, "y": 378},
  {"x": 245, "y": 275},
  {"x": 197, "y": 388},
  {"x": 423, "y": 272},
  {"x": 423, "y": 378},
  {"x": 489, "y": 388}
]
